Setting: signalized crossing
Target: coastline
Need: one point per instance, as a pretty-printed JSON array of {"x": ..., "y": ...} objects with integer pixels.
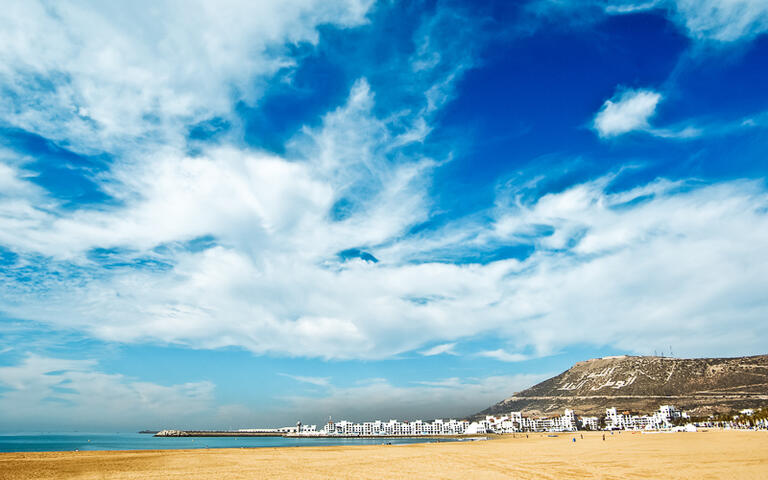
[
  {"x": 81, "y": 442},
  {"x": 713, "y": 454},
  {"x": 196, "y": 434},
  {"x": 200, "y": 433}
]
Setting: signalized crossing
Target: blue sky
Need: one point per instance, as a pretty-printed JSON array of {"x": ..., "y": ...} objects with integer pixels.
[{"x": 233, "y": 214}]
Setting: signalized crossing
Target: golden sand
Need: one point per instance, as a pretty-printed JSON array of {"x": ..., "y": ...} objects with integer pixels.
[{"x": 703, "y": 455}]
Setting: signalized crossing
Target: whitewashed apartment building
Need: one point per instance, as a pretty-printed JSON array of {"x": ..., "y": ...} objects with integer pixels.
[
  {"x": 516, "y": 422},
  {"x": 661, "y": 419},
  {"x": 395, "y": 427}
]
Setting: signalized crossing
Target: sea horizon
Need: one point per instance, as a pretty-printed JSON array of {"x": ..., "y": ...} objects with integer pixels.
[{"x": 122, "y": 441}]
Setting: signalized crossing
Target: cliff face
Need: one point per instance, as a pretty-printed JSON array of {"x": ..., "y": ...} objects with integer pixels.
[{"x": 698, "y": 385}]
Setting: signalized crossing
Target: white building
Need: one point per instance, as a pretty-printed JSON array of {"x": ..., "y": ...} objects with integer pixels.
[
  {"x": 395, "y": 427},
  {"x": 590, "y": 423},
  {"x": 662, "y": 419},
  {"x": 511, "y": 423},
  {"x": 669, "y": 412},
  {"x": 515, "y": 422}
]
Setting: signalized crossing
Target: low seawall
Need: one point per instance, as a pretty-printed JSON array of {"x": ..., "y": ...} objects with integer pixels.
[
  {"x": 209, "y": 433},
  {"x": 436, "y": 437},
  {"x": 225, "y": 433}
]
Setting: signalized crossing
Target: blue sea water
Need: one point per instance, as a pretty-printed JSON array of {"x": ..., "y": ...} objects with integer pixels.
[{"x": 59, "y": 442}]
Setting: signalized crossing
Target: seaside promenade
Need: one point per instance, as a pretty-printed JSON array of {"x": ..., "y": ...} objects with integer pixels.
[{"x": 701, "y": 455}]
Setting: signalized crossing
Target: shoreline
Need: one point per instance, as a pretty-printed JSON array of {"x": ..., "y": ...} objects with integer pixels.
[
  {"x": 436, "y": 437},
  {"x": 194, "y": 451},
  {"x": 685, "y": 456},
  {"x": 200, "y": 434},
  {"x": 314, "y": 442}
]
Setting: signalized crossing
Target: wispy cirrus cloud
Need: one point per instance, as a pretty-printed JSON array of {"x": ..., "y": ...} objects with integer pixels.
[
  {"x": 722, "y": 22},
  {"x": 317, "y": 381},
  {"x": 503, "y": 355},
  {"x": 444, "y": 348},
  {"x": 97, "y": 77}
]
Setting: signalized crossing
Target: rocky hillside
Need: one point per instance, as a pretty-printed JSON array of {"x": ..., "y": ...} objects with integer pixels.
[{"x": 640, "y": 384}]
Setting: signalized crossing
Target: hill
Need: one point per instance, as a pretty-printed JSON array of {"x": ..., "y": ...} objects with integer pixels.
[{"x": 640, "y": 384}]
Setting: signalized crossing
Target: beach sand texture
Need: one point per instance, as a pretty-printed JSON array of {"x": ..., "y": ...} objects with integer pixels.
[{"x": 703, "y": 455}]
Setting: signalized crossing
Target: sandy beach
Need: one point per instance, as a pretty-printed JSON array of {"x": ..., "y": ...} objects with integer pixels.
[{"x": 702, "y": 455}]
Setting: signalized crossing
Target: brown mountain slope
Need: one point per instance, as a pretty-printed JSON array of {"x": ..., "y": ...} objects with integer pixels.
[{"x": 698, "y": 385}]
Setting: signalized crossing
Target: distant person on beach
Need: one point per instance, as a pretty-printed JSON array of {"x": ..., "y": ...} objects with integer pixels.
[{"x": 603, "y": 437}]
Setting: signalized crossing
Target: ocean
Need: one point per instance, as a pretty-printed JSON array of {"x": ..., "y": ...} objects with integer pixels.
[{"x": 62, "y": 442}]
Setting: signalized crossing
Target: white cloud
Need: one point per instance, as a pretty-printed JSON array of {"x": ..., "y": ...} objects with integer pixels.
[
  {"x": 664, "y": 263},
  {"x": 631, "y": 7},
  {"x": 681, "y": 132},
  {"x": 631, "y": 110},
  {"x": 63, "y": 394},
  {"x": 380, "y": 399},
  {"x": 318, "y": 381},
  {"x": 56, "y": 393},
  {"x": 719, "y": 21},
  {"x": 97, "y": 76},
  {"x": 271, "y": 218},
  {"x": 503, "y": 355},
  {"x": 439, "y": 349},
  {"x": 722, "y": 20},
  {"x": 707, "y": 20},
  {"x": 661, "y": 264},
  {"x": 627, "y": 111}
]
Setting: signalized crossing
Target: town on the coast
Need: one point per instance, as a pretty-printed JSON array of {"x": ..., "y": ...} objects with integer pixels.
[{"x": 666, "y": 418}]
